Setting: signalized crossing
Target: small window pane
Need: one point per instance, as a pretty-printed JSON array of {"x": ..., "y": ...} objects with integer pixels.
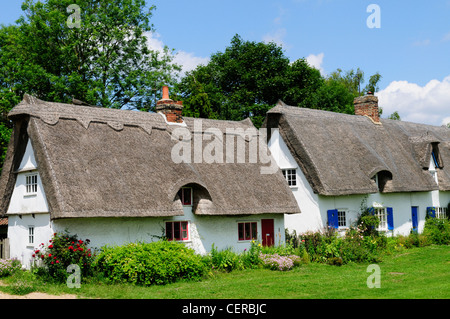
[
  {"x": 247, "y": 231},
  {"x": 176, "y": 231},
  {"x": 187, "y": 192},
  {"x": 241, "y": 231},
  {"x": 341, "y": 218},
  {"x": 169, "y": 231},
  {"x": 31, "y": 184},
  {"x": 291, "y": 176},
  {"x": 184, "y": 230},
  {"x": 31, "y": 235},
  {"x": 254, "y": 231}
]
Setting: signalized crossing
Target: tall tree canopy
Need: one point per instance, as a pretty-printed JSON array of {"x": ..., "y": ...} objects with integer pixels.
[
  {"x": 248, "y": 78},
  {"x": 92, "y": 50}
]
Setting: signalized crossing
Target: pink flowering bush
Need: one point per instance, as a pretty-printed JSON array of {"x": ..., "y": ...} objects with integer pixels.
[
  {"x": 53, "y": 258},
  {"x": 9, "y": 266},
  {"x": 278, "y": 262}
]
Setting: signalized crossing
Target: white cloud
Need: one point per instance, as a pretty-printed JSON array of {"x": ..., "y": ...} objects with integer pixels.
[
  {"x": 446, "y": 37},
  {"x": 316, "y": 61},
  {"x": 187, "y": 60},
  {"x": 446, "y": 121},
  {"x": 276, "y": 37},
  {"x": 429, "y": 104},
  {"x": 422, "y": 43}
]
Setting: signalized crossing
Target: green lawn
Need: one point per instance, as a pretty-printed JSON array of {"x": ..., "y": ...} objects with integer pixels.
[{"x": 414, "y": 273}]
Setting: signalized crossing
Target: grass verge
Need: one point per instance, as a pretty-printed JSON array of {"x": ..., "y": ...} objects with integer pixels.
[{"x": 417, "y": 273}]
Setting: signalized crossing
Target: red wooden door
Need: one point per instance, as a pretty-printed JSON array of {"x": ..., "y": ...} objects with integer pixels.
[{"x": 267, "y": 230}]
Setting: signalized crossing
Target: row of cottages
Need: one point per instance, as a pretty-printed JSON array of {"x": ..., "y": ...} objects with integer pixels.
[
  {"x": 120, "y": 176},
  {"x": 338, "y": 165},
  {"x": 112, "y": 176}
]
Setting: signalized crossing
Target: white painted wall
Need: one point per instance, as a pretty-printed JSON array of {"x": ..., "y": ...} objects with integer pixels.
[
  {"x": 18, "y": 225},
  {"x": 204, "y": 231},
  {"x": 314, "y": 207},
  {"x": 21, "y": 203},
  {"x": 310, "y": 218}
]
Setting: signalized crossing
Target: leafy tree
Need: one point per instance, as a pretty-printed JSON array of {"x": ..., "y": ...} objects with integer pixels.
[
  {"x": 340, "y": 88},
  {"x": 246, "y": 80},
  {"x": 394, "y": 116},
  {"x": 104, "y": 59}
]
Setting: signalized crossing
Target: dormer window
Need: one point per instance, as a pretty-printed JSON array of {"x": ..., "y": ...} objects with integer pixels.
[
  {"x": 31, "y": 184},
  {"x": 381, "y": 178},
  {"x": 436, "y": 157},
  {"x": 185, "y": 194},
  {"x": 291, "y": 176},
  {"x": 433, "y": 167}
]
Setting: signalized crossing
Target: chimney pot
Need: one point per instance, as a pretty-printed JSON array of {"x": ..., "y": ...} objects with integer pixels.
[
  {"x": 165, "y": 92},
  {"x": 171, "y": 109}
]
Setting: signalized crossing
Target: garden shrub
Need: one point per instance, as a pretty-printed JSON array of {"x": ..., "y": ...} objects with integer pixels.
[
  {"x": 251, "y": 258},
  {"x": 226, "y": 259},
  {"x": 437, "y": 230},
  {"x": 160, "y": 263},
  {"x": 9, "y": 266},
  {"x": 329, "y": 247},
  {"x": 51, "y": 260}
]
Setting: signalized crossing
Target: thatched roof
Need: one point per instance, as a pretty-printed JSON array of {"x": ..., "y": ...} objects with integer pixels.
[
  {"x": 339, "y": 153},
  {"x": 97, "y": 162}
]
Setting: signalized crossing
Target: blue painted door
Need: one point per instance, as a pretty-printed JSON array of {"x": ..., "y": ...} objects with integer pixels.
[{"x": 415, "y": 218}]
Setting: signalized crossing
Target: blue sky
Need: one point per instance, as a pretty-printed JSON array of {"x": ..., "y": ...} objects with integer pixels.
[{"x": 410, "y": 49}]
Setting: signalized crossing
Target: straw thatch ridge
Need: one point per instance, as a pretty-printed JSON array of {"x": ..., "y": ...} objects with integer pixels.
[
  {"x": 339, "y": 154},
  {"x": 97, "y": 162}
]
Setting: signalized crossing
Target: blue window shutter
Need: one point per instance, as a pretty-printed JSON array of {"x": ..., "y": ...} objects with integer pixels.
[
  {"x": 390, "y": 218},
  {"x": 333, "y": 218},
  {"x": 371, "y": 210},
  {"x": 431, "y": 212}
]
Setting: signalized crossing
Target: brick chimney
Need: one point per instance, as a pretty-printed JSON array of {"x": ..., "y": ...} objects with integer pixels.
[
  {"x": 367, "y": 105},
  {"x": 171, "y": 109}
]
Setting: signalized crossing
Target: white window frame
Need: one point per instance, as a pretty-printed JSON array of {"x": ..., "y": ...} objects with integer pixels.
[
  {"x": 342, "y": 220},
  {"x": 290, "y": 174},
  {"x": 441, "y": 212},
  {"x": 31, "y": 183},
  {"x": 381, "y": 213},
  {"x": 31, "y": 234}
]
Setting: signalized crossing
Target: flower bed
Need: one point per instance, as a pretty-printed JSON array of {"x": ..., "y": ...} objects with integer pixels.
[{"x": 9, "y": 266}]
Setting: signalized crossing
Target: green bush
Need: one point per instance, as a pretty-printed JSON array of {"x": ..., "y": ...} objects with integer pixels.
[
  {"x": 160, "y": 263},
  {"x": 225, "y": 259},
  {"x": 329, "y": 247},
  {"x": 437, "y": 230},
  {"x": 9, "y": 266},
  {"x": 51, "y": 260}
]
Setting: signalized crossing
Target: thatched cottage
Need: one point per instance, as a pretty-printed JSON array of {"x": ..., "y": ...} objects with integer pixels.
[
  {"x": 338, "y": 165},
  {"x": 119, "y": 176}
]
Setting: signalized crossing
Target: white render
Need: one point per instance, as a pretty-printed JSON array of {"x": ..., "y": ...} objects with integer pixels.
[
  {"x": 27, "y": 211},
  {"x": 204, "y": 231},
  {"x": 314, "y": 207},
  {"x": 21, "y": 203}
]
